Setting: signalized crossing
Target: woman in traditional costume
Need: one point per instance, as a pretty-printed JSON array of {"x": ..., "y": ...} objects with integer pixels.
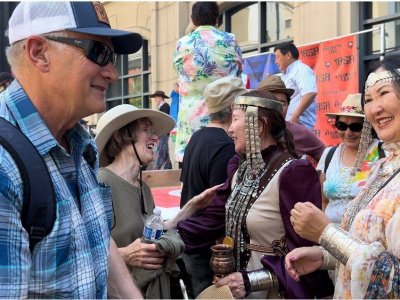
[
  {"x": 265, "y": 180},
  {"x": 366, "y": 247}
]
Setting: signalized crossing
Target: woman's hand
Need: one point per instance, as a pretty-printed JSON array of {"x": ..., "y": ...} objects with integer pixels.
[
  {"x": 235, "y": 283},
  {"x": 205, "y": 198},
  {"x": 193, "y": 205},
  {"x": 138, "y": 254},
  {"x": 308, "y": 221},
  {"x": 302, "y": 261}
]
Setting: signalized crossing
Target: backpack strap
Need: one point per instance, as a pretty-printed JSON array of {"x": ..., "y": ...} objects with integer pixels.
[
  {"x": 381, "y": 152},
  {"x": 329, "y": 157},
  {"x": 38, "y": 211}
]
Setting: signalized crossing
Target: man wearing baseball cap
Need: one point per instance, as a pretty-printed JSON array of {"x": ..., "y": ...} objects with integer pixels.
[
  {"x": 305, "y": 141},
  {"x": 62, "y": 55}
]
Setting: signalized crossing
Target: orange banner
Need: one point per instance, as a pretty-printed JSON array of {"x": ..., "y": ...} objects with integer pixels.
[{"x": 335, "y": 64}]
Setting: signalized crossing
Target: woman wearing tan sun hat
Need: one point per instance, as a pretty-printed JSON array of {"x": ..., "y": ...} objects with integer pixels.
[
  {"x": 126, "y": 137},
  {"x": 342, "y": 175}
]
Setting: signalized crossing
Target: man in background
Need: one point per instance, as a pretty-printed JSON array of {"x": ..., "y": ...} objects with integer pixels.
[
  {"x": 162, "y": 159},
  {"x": 299, "y": 77},
  {"x": 62, "y": 55}
]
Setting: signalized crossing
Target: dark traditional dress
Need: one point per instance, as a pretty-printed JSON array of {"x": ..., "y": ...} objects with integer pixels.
[{"x": 265, "y": 223}]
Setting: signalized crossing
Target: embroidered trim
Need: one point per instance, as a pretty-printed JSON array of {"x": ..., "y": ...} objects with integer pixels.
[{"x": 278, "y": 247}]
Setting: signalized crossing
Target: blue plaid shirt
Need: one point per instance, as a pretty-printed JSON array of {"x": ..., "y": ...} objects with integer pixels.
[{"x": 71, "y": 262}]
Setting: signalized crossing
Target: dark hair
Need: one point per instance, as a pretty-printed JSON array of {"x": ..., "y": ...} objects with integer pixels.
[
  {"x": 205, "y": 13},
  {"x": 274, "y": 122},
  {"x": 120, "y": 138},
  {"x": 222, "y": 116},
  {"x": 288, "y": 47}
]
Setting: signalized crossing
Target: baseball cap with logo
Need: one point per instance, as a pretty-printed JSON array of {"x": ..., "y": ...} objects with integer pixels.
[{"x": 40, "y": 17}]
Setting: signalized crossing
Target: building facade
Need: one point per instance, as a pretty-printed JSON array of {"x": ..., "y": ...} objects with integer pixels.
[{"x": 258, "y": 26}]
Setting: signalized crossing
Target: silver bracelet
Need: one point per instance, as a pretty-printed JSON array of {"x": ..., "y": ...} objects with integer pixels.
[
  {"x": 339, "y": 243},
  {"x": 262, "y": 280},
  {"x": 328, "y": 261}
]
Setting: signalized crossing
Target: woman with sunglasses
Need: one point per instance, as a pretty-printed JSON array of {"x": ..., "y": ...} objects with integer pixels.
[
  {"x": 338, "y": 165},
  {"x": 366, "y": 247},
  {"x": 126, "y": 137}
]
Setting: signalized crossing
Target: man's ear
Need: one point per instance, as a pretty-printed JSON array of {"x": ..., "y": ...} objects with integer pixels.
[{"x": 37, "y": 51}]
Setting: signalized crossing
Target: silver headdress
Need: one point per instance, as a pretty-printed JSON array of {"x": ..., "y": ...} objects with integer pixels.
[
  {"x": 250, "y": 171},
  {"x": 253, "y": 143},
  {"x": 381, "y": 77}
]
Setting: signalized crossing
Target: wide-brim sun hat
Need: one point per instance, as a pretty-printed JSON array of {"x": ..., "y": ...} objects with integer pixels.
[
  {"x": 212, "y": 292},
  {"x": 351, "y": 107},
  {"x": 40, "y": 17},
  {"x": 121, "y": 115}
]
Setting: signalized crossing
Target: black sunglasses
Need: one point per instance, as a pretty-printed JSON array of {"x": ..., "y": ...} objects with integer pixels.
[
  {"x": 95, "y": 51},
  {"x": 354, "y": 127}
]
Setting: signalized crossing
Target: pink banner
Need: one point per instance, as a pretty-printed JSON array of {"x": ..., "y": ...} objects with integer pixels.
[{"x": 335, "y": 64}]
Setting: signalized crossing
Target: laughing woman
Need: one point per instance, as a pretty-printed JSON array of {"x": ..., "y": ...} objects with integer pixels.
[
  {"x": 366, "y": 245},
  {"x": 265, "y": 180},
  {"x": 126, "y": 136},
  {"x": 343, "y": 169}
]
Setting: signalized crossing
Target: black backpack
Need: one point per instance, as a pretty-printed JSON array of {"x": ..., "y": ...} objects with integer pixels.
[{"x": 39, "y": 206}]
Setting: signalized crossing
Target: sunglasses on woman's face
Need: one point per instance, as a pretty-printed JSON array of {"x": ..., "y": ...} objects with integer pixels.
[
  {"x": 354, "y": 127},
  {"x": 95, "y": 51}
]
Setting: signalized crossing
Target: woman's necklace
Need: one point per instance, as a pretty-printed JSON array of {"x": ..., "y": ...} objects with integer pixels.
[{"x": 237, "y": 205}]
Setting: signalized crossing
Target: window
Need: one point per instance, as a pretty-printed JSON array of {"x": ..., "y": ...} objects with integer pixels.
[
  {"x": 383, "y": 9},
  {"x": 259, "y": 26},
  {"x": 133, "y": 84},
  {"x": 392, "y": 37},
  {"x": 245, "y": 26},
  {"x": 372, "y": 15},
  {"x": 279, "y": 21}
]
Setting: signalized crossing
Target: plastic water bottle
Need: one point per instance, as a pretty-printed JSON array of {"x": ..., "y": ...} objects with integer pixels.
[{"x": 153, "y": 226}]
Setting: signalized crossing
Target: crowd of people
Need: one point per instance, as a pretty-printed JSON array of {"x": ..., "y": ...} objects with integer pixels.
[{"x": 295, "y": 229}]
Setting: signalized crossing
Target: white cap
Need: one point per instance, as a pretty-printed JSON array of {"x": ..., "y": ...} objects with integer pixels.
[
  {"x": 40, "y": 17},
  {"x": 157, "y": 211}
]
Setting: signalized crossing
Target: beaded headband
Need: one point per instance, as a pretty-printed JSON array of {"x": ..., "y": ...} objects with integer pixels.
[
  {"x": 382, "y": 77},
  {"x": 260, "y": 102}
]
